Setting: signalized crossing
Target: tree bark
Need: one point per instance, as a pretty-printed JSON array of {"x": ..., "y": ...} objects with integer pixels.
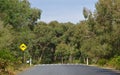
[{"x": 87, "y": 61}]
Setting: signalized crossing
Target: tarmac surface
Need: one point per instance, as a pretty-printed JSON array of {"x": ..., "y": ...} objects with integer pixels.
[{"x": 67, "y": 69}]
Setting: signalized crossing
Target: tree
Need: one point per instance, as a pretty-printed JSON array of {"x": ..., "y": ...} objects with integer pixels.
[
  {"x": 6, "y": 37},
  {"x": 107, "y": 21},
  {"x": 62, "y": 53},
  {"x": 18, "y": 13},
  {"x": 86, "y": 12}
]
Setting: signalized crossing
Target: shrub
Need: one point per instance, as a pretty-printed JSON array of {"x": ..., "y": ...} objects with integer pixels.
[
  {"x": 102, "y": 62},
  {"x": 115, "y": 62},
  {"x": 6, "y": 60},
  {"x": 76, "y": 61}
]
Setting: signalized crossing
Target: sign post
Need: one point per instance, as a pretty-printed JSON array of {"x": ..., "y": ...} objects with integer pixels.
[
  {"x": 23, "y": 47},
  {"x": 30, "y": 62}
]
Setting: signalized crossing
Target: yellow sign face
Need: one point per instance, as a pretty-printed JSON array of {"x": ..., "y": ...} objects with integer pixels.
[{"x": 23, "y": 47}]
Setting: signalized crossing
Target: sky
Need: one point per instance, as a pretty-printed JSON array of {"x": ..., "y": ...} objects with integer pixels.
[{"x": 63, "y": 10}]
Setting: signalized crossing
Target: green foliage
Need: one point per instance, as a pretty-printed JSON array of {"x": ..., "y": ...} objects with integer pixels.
[
  {"x": 115, "y": 62},
  {"x": 18, "y": 13},
  {"x": 62, "y": 52},
  {"x": 6, "y": 59},
  {"x": 6, "y": 37},
  {"x": 6, "y": 55},
  {"x": 97, "y": 38},
  {"x": 102, "y": 62}
]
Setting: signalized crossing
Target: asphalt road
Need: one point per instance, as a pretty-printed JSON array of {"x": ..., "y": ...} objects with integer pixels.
[{"x": 67, "y": 69}]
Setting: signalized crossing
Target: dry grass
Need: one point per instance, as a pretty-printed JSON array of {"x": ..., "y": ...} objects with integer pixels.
[{"x": 10, "y": 70}]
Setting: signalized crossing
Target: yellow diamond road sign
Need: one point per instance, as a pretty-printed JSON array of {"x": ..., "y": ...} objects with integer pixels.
[{"x": 23, "y": 47}]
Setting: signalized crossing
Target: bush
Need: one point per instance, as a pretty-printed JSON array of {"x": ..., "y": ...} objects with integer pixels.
[
  {"x": 115, "y": 62},
  {"x": 7, "y": 62},
  {"x": 76, "y": 61},
  {"x": 102, "y": 62},
  {"x": 46, "y": 61},
  {"x": 6, "y": 55}
]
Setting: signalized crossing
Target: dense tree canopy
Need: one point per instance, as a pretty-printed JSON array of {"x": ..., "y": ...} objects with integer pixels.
[{"x": 97, "y": 38}]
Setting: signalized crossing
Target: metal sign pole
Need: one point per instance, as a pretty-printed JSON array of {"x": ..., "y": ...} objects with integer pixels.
[
  {"x": 30, "y": 61},
  {"x": 23, "y": 47},
  {"x": 23, "y": 57}
]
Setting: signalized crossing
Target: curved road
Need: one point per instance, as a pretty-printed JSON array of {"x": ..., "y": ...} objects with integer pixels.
[{"x": 58, "y": 69}]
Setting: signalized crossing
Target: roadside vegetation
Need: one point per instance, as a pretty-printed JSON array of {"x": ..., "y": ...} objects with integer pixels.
[{"x": 96, "y": 39}]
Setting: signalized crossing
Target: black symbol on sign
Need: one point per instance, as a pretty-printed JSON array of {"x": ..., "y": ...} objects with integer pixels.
[{"x": 22, "y": 46}]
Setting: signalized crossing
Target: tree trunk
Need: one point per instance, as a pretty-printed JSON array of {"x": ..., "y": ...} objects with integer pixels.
[
  {"x": 87, "y": 61},
  {"x": 84, "y": 60},
  {"x": 62, "y": 60},
  {"x": 70, "y": 59}
]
